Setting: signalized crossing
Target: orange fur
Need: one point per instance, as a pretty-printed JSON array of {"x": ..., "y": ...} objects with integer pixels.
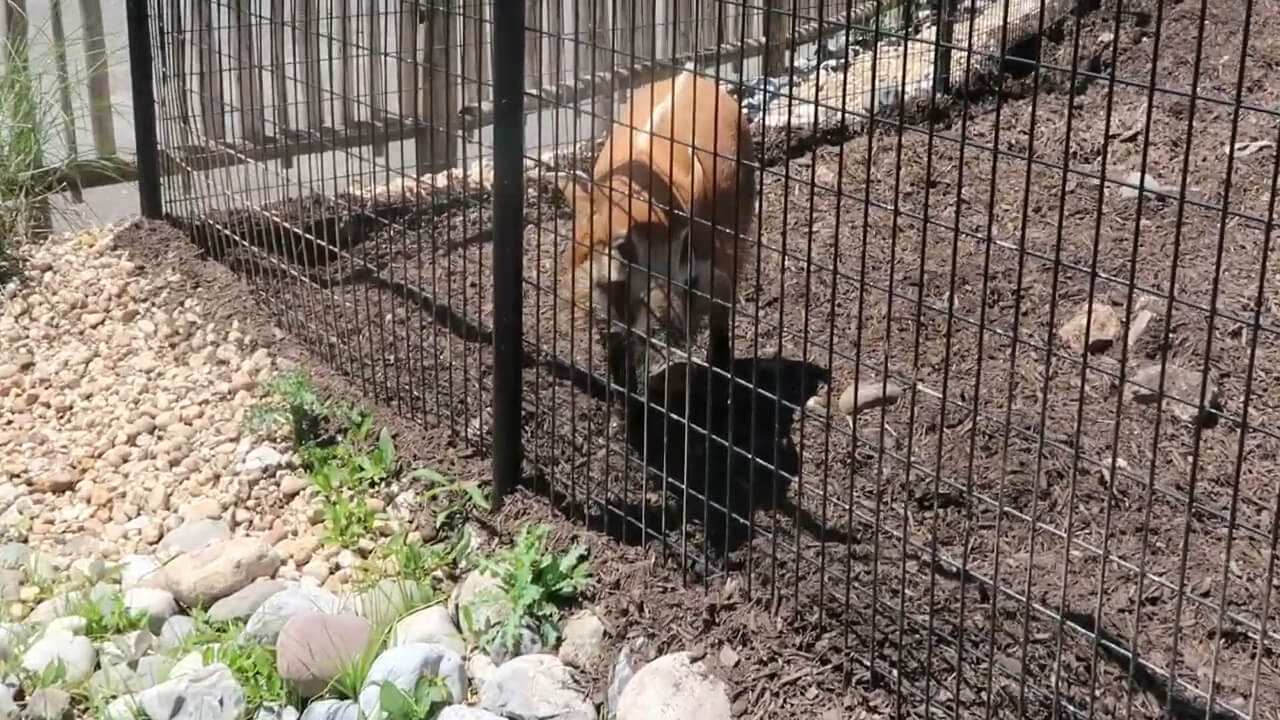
[{"x": 679, "y": 143}]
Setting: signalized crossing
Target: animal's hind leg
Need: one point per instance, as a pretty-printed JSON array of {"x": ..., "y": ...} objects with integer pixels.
[{"x": 720, "y": 353}]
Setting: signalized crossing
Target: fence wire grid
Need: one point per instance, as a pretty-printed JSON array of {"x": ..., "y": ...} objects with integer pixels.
[{"x": 995, "y": 431}]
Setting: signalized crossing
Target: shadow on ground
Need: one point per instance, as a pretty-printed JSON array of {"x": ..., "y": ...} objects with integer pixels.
[{"x": 720, "y": 446}]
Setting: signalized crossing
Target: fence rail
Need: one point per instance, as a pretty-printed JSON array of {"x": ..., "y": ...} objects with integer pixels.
[{"x": 994, "y": 430}]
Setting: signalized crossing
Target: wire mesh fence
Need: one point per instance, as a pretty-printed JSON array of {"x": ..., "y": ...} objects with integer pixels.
[{"x": 946, "y": 327}]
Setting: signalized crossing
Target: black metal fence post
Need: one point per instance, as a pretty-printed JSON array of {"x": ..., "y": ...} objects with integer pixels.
[
  {"x": 946, "y": 12},
  {"x": 508, "y": 233},
  {"x": 144, "y": 109}
]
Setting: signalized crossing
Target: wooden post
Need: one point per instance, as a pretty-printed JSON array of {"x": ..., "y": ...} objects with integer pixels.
[
  {"x": 248, "y": 74},
  {"x": 377, "y": 113},
  {"x": 942, "y": 51},
  {"x": 473, "y": 44},
  {"x": 95, "y": 60},
  {"x": 409, "y": 76},
  {"x": 778, "y": 30},
  {"x": 311, "y": 76},
  {"x": 64, "y": 89},
  {"x": 440, "y": 151},
  {"x": 280, "y": 81},
  {"x": 532, "y": 43},
  {"x": 592, "y": 25},
  {"x": 345, "y": 49}
]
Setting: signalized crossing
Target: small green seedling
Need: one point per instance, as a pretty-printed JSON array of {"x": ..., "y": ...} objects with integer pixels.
[
  {"x": 107, "y": 616},
  {"x": 430, "y": 694},
  {"x": 459, "y": 498},
  {"x": 537, "y": 582},
  {"x": 295, "y": 402}
]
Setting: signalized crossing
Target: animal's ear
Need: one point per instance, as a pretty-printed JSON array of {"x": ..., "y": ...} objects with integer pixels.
[{"x": 576, "y": 188}]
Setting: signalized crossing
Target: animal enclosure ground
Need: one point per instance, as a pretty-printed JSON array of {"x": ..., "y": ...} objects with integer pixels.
[{"x": 1008, "y": 499}]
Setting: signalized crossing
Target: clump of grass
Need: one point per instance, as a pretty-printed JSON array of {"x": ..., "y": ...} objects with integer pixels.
[
  {"x": 429, "y": 696},
  {"x": 29, "y": 118},
  {"x": 252, "y": 664},
  {"x": 349, "y": 463},
  {"x": 293, "y": 402},
  {"x": 537, "y": 582},
  {"x": 107, "y": 616},
  {"x": 24, "y": 134}
]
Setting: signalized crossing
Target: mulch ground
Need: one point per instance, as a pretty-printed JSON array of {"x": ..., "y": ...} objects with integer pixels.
[{"x": 928, "y": 561}]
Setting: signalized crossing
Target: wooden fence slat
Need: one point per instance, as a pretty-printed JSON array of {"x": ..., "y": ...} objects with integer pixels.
[
  {"x": 486, "y": 52},
  {"x": 253, "y": 120},
  {"x": 312, "y": 89},
  {"x": 95, "y": 59},
  {"x": 441, "y": 98},
  {"x": 64, "y": 89},
  {"x": 377, "y": 69},
  {"x": 346, "y": 49},
  {"x": 532, "y": 42},
  {"x": 472, "y": 35},
  {"x": 553, "y": 21},
  {"x": 280, "y": 82},
  {"x": 409, "y": 73},
  {"x": 777, "y": 29},
  {"x": 682, "y": 26},
  {"x": 598, "y": 24}
]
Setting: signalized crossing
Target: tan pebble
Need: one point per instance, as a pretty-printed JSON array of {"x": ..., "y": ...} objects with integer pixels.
[
  {"x": 240, "y": 382},
  {"x": 99, "y": 496},
  {"x": 182, "y": 430},
  {"x": 205, "y": 507},
  {"x": 158, "y": 498},
  {"x": 151, "y": 534}
]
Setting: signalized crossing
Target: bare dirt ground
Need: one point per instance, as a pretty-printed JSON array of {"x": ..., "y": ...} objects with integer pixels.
[{"x": 1036, "y": 488}]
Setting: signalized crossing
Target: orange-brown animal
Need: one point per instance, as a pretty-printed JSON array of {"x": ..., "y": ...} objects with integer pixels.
[{"x": 668, "y": 210}]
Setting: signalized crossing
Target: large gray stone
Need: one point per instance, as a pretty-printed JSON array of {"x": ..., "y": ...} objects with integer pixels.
[
  {"x": 202, "y": 577},
  {"x": 191, "y": 536},
  {"x": 75, "y": 652},
  {"x": 240, "y": 604},
  {"x": 466, "y": 712},
  {"x": 14, "y": 556},
  {"x": 388, "y": 599},
  {"x": 111, "y": 681},
  {"x": 404, "y": 665},
  {"x": 536, "y": 686},
  {"x": 11, "y": 582},
  {"x": 124, "y": 707},
  {"x": 136, "y": 569},
  {"x": 273, "y": 711},
  {"x": 49, "y": 703},
  {"x": 583, "y": 644},
  {"x": 266, "y": 622},
  {"x": 12, "y": 636},
  {"x": 126, "y": 649},
  {"x": 673, "y": 687},
  {"x": 157, "y": 604},
  {"x": 332, "y": 710},
  {"x": 210, "y": 693},
  {"x": 313, "y": 649},
  {"x": 8, "y": 708},
  {"x": 428, "y": 625},
  {"x": 175, "y": 631},
  {"x": 480, "y": 599}
]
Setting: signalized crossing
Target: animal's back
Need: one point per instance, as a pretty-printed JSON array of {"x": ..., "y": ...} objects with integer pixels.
[{"x": 695, "y": 137}]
